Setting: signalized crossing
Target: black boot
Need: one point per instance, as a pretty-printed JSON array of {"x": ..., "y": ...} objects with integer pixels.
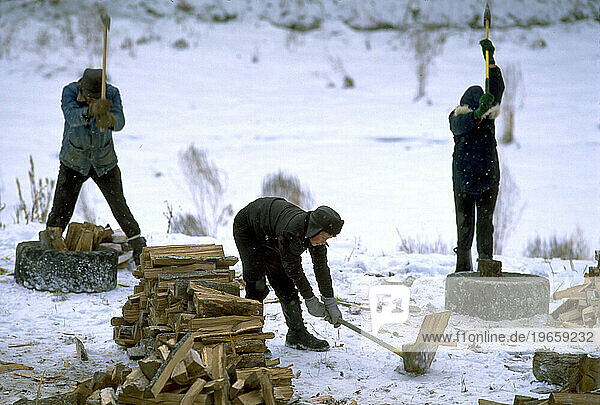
[
  {"x": 137, "y": 244},
  {"x": 463, "y": 260},
  {"x": 298, "y": 337}
]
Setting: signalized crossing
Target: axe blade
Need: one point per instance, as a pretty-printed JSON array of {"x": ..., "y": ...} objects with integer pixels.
[
  {"x": 487, "y": 15},
  {"x": 105, "y": 18}
]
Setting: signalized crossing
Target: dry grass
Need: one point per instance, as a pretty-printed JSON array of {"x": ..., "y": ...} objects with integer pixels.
[
  {"x": 288, "y": 186},
  {"x": 409, "y": 244},
  {"x": 207, "y": 184},
  {"x": 512, "y": 100},
  {"x": 573, "y": 247},
  {"x": 426, "y": 45},
  {"x": 508, "y": 209},
  {"x": 41, "y": 191}
]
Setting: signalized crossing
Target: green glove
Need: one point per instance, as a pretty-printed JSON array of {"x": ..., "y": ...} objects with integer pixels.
[
  {"x": 485, "y": 103},
  {"x": 99, "y": 107},
  {"x": 486, "y": 45}
]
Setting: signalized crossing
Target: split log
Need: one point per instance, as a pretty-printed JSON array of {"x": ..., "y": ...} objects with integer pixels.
[
  {"x": 81, "y": 352},
  {"x": 214, "y": 357},
  {"x": 209, "y": 302},
  {"x": 572, "y": 292},
  {"x": 149, "y": 366},
  {"x": 85, "y": 243},
  {"x": 249, "y": 398},
  {"x": 226, "y": 325},
  {"x": 165, "y": 370},
  {"x": 190, "y": 397},
  {"x": 195, "y": 366},
  {"x": 566, "y": 398},
  {"x": 573, "y": 372},
  {"x": 266, "y": 388},
  {"x": 135, "y": 384},
  {"x": 179, "y": 374},
  {"x": 72, "y": 236}
]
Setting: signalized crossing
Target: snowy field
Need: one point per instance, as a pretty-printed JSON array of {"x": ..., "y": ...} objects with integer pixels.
[{"x": 380, "y": 159}]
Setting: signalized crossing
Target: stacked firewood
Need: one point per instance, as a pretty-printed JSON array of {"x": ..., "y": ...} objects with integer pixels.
[
  {"x": 582, "y": 307},
  {"x": 87, "y": 237},
  {"x": 187, "y": 295}
]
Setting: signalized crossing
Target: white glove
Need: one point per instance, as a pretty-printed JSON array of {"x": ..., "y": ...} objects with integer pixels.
[
  {"x": 315, "y": 307},
  {"x": 333, "y": 316}
]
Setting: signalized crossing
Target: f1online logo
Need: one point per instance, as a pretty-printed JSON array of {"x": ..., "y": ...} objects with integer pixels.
[{"x": 389, "y": 304}]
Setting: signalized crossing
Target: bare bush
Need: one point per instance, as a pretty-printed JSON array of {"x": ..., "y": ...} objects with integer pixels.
[
  {"x": 188, "y": 224},
  {"x": 338, "y": 67},
  {"x": 508, "y": 209},
  {"x": 410, "y": 244},
  {"x": 564, "y": 247},
  {"x": 207, "y": 184},
  {"x": 512, "y": 100},
  {"x": 288, "y": 186},
  {"x": 41, "y": 191},
  {"x": 426, "y": 45}
]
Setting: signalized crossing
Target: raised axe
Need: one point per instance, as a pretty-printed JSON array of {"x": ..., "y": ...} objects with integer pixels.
[
  {"x": 416, "y": 357},
  {"x": 105, "y": 18},
  {"x": 487, "y": 22}
]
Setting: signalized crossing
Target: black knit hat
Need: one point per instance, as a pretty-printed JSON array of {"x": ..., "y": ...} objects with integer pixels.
[
  {"x": 324, "y": 219},
  {"x": 90, "y": 83}
]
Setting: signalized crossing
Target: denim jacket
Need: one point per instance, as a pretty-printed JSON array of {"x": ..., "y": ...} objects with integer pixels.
[{"x": 84, "y": 145}]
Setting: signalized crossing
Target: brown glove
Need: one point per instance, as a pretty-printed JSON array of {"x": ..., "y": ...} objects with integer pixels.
[
  {"x": 107, "y": 120},
  {"x": 99, "y": 107}
]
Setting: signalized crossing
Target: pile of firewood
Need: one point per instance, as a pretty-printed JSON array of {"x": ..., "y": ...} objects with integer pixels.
[
  {"x": 87, "y": 237},
  {"x": 582, "y": 307},
  {"x": 195, "y": 333}
]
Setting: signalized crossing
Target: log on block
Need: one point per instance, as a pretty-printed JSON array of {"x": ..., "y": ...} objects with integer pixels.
[
  {"x": 51, "y": 238},
  {"x": 85, "y": 242},
  {"x": 72, "y": 236}
]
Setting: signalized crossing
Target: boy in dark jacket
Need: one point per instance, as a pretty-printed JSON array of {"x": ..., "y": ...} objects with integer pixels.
[
  {"x": 271, "y": 234},
  {"x": 475, "y": 169},
  {"x": 88, "y": 151}
]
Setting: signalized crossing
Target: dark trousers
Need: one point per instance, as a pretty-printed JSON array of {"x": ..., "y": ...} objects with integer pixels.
[
  {"x": 259, "y": 263},
  {"x": 67, "y": 190},
  {"x": 465, "y": 205}
]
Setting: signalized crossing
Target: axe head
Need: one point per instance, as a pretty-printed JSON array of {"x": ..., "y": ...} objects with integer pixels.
[
  {"x": 487, "y": 15},
  {"x": 105, "y": 18}
]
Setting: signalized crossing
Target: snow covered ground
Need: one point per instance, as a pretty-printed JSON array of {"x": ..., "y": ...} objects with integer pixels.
[{"x": 370, "y": 152}]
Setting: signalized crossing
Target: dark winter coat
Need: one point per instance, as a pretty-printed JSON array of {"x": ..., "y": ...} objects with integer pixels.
[
  {"x": 475, "y": 167},
  {"x": 281, "y": 225},
  {"x": 84, "y": 145}
]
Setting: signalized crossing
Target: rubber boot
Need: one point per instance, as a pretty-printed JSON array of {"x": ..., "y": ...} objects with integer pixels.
[
  {"x": 463, "y": 260},
  {"x": 298, "y": 337},
  {"x": 137, "y": 244}
]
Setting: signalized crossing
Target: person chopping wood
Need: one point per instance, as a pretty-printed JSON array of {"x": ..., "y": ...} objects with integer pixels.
[
  {"x": 271, "y": 234},
  {"x": 475, "y": 168},
  {"x": 88, "y": 152}
]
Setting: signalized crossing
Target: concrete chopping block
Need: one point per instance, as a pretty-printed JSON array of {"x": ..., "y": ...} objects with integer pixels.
[
  {"x": 65, "y": 271},
  {"x": 511, "y": 296}
]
